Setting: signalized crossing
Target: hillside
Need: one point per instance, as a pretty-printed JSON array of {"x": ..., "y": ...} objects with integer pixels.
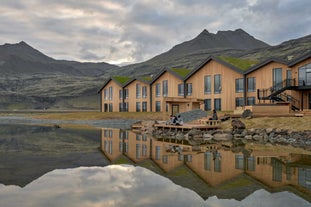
[{"x": 31, "y": 80}]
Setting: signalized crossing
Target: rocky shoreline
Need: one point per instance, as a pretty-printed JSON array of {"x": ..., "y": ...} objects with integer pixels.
[{"x": 239, "y": 135}]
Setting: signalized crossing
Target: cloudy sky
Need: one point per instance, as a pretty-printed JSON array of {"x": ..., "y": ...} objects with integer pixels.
[
  {"x": 118, "y": 186},
  {"x": 129, "y": 31}
]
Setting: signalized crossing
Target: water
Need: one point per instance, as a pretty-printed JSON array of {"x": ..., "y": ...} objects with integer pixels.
[{"x": 49, "y": 166}]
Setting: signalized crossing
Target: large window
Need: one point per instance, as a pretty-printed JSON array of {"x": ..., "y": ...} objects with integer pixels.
[
  {"x": 144, "y": 106},
  {"x": 121, "y": 94},
  {"x": 208, "y": 161},
  {"x": 110, "y": 93},
  {"x": 207, "y": 104},
  {"x": 217, "y": 104},
  {"x": 304, "y": 75},
  {"x": 138, "y": 90},
  {"x": 189, "y": 89},
  {"x": 165, "y": 88},
  {"x": 126, "y": 93},
  {"x": 158, "y": 90},
  {"x": 138, "y": 107},
  {"x": 158, "y": 153},
  {"x": 217, "y": 84},
  {"x": 239, "y": 85},
  {"x": 207, "y": 84},
  {"x": 239, "y": 102},
  {"x": 105, "y": 94},
  {"x": 158, "y": 106},
  {"x": 181, "y": 89},
  {"x": 110, "y": 107},
  {"x": 251, "y": 101},
  {"x": 144, "y": 91},
  {"x": 277, "y": 78},
  {"x": 251, "y": 84}
]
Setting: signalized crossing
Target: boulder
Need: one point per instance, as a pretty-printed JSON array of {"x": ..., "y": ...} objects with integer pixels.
[
  {"x": 237, "y": 124},
  {"x": 247, "y": 114},
  {"x": 223, "y": 137}
]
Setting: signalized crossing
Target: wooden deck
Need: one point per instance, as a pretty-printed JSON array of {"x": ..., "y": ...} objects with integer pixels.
[{"x": 205, "y": 125}]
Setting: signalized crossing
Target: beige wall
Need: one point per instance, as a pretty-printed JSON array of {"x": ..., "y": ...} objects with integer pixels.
[
  {"x": 132, "y": 96},
  {"x": 173, "y": 82},
  {"x": 228, "y": 77},
  {"x": 115, "y": 96}
]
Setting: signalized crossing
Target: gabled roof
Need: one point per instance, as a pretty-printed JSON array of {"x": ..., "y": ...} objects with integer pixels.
[
  {"x": 263, "y": 63},
  {"x": 164, "y": 71},
  {"x": 142, "y": 79},
  {"x": 121, "y": 81},
  {"x": 207, "y": 60},
  {"x": 299, "y": 59}
]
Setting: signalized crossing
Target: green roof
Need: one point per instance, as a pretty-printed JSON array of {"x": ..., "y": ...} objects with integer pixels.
[
  {"x": 146, "y": 78},
  {"x": 121, "y": 79},
  {"x": 242, "y": 64},
  {"x": 183, "y": 72}
]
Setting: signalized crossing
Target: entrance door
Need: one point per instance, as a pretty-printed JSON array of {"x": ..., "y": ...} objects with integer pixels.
[
  {"x": 309, "y": 100},
  {"x": 277, "y": 78},
  {"x": 175, "y": 109}
]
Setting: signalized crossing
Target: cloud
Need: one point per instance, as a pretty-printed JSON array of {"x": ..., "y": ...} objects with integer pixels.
[
  {"x": 134, "y": 31},
  {"x": 123, "y": 185}
]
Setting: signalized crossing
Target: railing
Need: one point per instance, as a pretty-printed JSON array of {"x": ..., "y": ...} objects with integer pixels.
[
  {"x": 265, "y": 94},
  {"x": 295, "y": 103}
]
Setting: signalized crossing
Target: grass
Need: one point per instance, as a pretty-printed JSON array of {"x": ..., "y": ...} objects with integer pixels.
[
  {"x": 243, "y": 64},
  {"x": 121, "y": 79},
  {"x": 181, "y": 71}
]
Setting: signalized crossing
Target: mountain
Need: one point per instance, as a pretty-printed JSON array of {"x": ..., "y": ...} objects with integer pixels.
[
  {"x": 31, "y": 80},
  {"x": 21, "y": 58},
  {"x": 238, "y": 44}
]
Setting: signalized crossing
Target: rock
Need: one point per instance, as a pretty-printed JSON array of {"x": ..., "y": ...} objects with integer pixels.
[
  {"x": 237, "y": 124},
  {"x": 222, "y": 137},
  {"x": 248, "y": 137},
  {"x": 257, "y": 137},
  {"x": 247, "y": 114}
]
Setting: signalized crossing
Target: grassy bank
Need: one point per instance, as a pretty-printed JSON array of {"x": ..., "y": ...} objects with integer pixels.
[{"x": 292, "y": 123}]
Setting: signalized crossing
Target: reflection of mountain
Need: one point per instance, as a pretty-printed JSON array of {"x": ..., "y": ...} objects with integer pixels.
[{"x": 218, "y": 168}]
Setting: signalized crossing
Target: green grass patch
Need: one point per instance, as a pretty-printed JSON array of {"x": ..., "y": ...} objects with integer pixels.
[
  {"x": 183, "y": 72},
  {"x": 241, "y": 182},
  {"x": 122, "y": 79},
  {"x": 242, "y": 64}
]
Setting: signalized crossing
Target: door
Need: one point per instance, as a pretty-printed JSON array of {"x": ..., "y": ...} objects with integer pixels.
[
  {"x": 277, "y": 79},
  {"x": 309, "y": 100},
  {"x": 175, "y": 109}
]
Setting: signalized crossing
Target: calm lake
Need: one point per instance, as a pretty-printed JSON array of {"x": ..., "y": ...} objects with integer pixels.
[{"x": 51, "y": 166}]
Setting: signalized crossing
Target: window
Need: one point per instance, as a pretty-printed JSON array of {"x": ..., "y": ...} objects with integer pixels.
[
  {"x": 208, "y": 161},
  {"x": 110, "y": 93},
  {"x": 217, "y": 162},
  {"x": 138, "y": 151},
  {"x": 110, "y": 108},
  {"x": 217, "y": 104},
  {"x": 126, "y": 93},
  {"x": 158, "y": 106},
  {"x": 138, "y": 90},
  {"x": 239, "y": 85},
  {"x": 126, "y": 106},
  {"x": 120, "y": 106},
  {"x": 239, "y": 162},
  {"x": 165, "y": 159},
  {"x": 105, "y": 94},
  {"x": 158, "y": 153},
  {"x": 144, "y": 106},
  {"x": 251, "y": 163},
  {"x": 158, "y": 90},
  {"x": 181, "y": 89},
  {"x": 251, "y": 101},
  {"x": 105, "y": 107},
  {"x": 165, "y": 88},
  {"x": 217, "y": 84},
  {"x": 276, "y": 170},
  {"x": 144, "y": 150},
  {"x": 239, "y": 102},
  {"x": 207, "y": 85},
  {"x": 144, "y": 91},
  {"x": 189, "y": 89},
  {"x": 207, "y": 104},
  {"x": 120, "y": 94},
  {"x": 120, "y": 146},
  {"x": 251, "y": 84},
  {"x": 137, "y": 106},
  {"x": 304, "y": 75}
]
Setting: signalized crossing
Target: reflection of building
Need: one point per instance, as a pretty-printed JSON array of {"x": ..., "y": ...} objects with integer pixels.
[{"x": 214, "y": 166}]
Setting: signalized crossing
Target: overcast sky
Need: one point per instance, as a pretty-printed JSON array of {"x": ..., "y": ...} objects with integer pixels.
[{"x": 129, "y": 31}]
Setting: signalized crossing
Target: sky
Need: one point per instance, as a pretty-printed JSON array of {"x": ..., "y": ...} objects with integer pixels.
[
  {"x": 130, "y": 31},
  {"x": 124, "y": 185}
]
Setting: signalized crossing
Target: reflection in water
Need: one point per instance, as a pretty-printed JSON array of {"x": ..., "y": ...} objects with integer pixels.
[
  {"x": 221, "y": 168},
  {"x": 122, "y": 185}
]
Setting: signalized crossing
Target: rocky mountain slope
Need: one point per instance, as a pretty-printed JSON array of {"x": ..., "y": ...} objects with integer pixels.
[{"x": 31, "y": 80}]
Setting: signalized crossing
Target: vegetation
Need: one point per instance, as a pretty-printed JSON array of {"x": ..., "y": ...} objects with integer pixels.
[
  {"x": 183, "y": 72},
  {"x": 242, "y": 64},
  {"x": 122, "y": 79}
]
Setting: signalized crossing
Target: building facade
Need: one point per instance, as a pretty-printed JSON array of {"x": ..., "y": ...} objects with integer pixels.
[{"x": 214, "y": 84}]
